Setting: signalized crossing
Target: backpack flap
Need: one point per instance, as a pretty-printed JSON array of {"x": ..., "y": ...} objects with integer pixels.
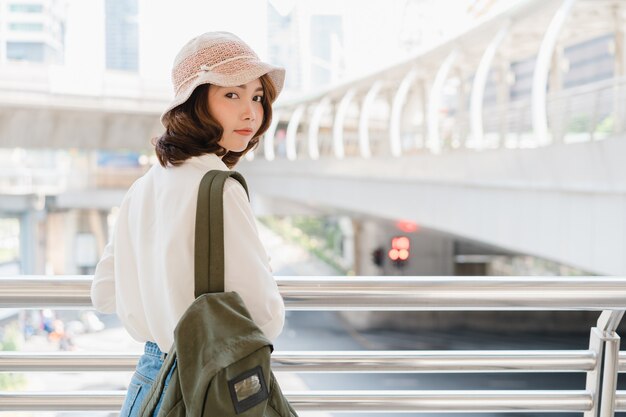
[{"x": 215, "y": 332}]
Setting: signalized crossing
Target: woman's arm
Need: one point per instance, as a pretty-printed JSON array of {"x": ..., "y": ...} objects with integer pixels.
[
  {"x": 103, "y": 285},
  {"x": 246, "y": 267}
]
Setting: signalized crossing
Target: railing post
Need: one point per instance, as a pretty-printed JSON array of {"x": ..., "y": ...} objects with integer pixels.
[
  {"x": 605, "y": 343},
  {"x": 607, "y": 324},
  {"x": 596, "y": 344},
  {"x": 609, "y": 375}
]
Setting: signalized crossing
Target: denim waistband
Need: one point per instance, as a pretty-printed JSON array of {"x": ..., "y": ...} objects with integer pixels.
[{"x": 152, "y": 349}]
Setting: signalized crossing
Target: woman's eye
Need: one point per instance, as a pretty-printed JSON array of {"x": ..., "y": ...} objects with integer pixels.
[
  {"x": 258, "y": 98},
  {"x": 232, "y": 95}
]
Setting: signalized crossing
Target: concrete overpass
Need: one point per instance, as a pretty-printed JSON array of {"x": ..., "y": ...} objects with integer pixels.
[{"x": 564, "y": 202}]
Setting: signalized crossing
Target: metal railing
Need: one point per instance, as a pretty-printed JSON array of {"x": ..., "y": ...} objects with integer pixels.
[
  {"x": 583, "y": 113},
  {"x": 601, "y": 362}
]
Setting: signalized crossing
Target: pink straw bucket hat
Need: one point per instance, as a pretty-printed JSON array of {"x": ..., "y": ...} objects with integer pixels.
[{"x": 218, "y": 58}]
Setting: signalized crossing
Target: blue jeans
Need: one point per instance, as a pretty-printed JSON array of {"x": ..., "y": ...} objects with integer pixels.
[{"x": 140, "y": 384}]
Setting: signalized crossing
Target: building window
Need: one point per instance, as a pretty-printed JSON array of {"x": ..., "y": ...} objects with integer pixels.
[
  {"x": 26, "y": 51},
  {"x": 26, "y": 27},
  {"x": 26, "y": 8}
]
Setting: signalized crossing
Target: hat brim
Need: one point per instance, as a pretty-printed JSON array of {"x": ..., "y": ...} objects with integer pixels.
[{"x": 276, "y": 74}]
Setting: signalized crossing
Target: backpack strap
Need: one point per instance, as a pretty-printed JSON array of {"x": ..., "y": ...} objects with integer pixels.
[{"x": 209, "y": 236}]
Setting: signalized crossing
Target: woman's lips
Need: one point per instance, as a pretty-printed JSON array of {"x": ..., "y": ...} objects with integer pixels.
[{"x": 244, "y": 132}]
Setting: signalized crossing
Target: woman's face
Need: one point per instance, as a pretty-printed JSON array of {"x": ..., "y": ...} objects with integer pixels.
[{"x": 239, "y": 110}]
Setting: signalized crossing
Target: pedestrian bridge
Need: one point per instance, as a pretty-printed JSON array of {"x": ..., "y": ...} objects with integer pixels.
[{"x": 510, "y": 133}]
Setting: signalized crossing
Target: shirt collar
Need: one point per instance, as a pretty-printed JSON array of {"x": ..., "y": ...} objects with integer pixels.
[{"x": 212, "y": 161}]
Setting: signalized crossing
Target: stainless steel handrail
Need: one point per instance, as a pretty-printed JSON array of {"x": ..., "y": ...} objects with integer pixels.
[
  {"x": 331, "y": 361},
  {"x": 355, "y": 401},
  {"x": 373, "y": 293},
  {"x": 444, "y": 401}
]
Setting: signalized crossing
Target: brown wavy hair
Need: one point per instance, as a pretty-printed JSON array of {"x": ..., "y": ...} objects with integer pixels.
[{"x": 190, "y": 130}]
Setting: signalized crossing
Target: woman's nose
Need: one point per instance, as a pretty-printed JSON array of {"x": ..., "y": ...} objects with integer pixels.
[{"x": 248, "y": 112}]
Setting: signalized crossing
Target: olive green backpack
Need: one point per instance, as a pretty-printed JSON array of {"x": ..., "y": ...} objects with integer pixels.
[{"x": 222, "y": 358}]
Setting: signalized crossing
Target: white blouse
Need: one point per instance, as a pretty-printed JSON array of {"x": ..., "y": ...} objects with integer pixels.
[{"x": 146, "y": 274}]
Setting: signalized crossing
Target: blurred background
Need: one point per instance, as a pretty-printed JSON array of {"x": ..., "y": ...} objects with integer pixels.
[{"x": 413, "y": 138}]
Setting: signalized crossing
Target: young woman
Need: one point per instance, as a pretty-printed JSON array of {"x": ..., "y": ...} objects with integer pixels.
[{"x": 222, "y": 104}]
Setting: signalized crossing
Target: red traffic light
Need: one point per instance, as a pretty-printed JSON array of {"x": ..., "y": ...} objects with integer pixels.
[
  {"x": 400, "y": 242},
  {"x": 399, "y": 248}
]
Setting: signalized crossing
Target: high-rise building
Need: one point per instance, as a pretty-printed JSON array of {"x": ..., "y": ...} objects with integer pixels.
[
  {"x": 282, "y": 47},
  {"x": 326, "y": 40},
  {"x": 122, "y": 37},
  {"x": 308, "y": 40},
  {"x": 32, "y": 30}
]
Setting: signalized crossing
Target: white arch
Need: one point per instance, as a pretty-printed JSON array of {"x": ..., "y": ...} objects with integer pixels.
[
  {"x": 542, "y": 68},
  {"x": 478, "y": 87},
  {"x": 292, "y": 129},
  {"x": 314, "y": 127},
  {"x": 270, "y": 133},
  {"x": 434, "y": 102},
  {"x": 396, "y": 112},
  {"x": 364, "y": 139},
  {"x": 340, "y": 117}
]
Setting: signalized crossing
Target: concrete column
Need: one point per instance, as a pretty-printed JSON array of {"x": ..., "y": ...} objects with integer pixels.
[
  {"x": 56, "y": 248},
  {"x": 367, "y": 240},
  {"x": 70, "y": 229},
  {"x": 27, "y": 243},
  {"x": 33, "y": 239}
]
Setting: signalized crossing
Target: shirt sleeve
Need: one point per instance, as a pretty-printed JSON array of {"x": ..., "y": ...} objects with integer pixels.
[
  {"x": 103, "y": 285},
  {"x": 246, "y": 266}
]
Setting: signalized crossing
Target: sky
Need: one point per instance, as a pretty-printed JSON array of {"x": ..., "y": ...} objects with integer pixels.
[
  {"x": 165, "y": 26},
  {"x": 374, "y": 30}
]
